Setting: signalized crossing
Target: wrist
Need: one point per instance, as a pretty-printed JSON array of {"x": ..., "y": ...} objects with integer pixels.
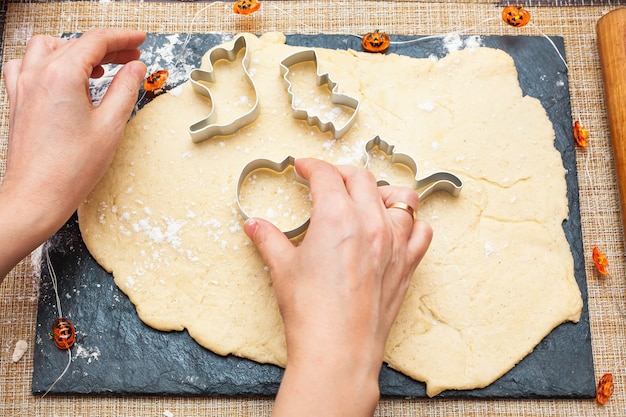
[
  {"x": 23, "y": 227},
  {"x": 330, "y": 385}
]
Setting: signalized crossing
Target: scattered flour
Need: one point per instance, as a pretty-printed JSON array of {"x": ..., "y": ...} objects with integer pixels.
[
  {"x": 88, "y": 353},
  {"x": 453, "y": 42}
]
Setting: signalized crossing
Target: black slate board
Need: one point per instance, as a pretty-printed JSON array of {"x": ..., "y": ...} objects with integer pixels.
[{"x": 116, "y": 354}]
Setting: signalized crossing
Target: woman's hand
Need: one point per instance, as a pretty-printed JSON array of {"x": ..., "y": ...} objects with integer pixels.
[
  {"x": 60, "y": 144},
  {"x": 340, "y": 291}
]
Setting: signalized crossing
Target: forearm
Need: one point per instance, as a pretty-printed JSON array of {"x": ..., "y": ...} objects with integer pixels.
[
  {"x": 328, "y": 387},
  {"x": 23, "y": 227}
]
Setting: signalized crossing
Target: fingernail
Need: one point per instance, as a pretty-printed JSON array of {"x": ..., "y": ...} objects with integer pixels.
[
  {"x": 138, "y": 68},
  {"x": 250, "y": 226}
]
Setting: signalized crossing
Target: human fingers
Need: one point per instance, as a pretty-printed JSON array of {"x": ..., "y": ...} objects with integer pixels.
[
  {"x": 362, "y": 188},
  {"x": 272, "y": 244},
  {"x": 11, "y": 74},
  {"x": 121, "y": 57},
  {"x": 326, "y": 185},
  {"x": 119, "y": 100},
  {"x": 106, "y": 46},
  {"x": 418, "y": 234},
  {"x": 320, "y": 174},
  {"x": 39, "y": 47},
  {"x": 97, "y": 47},
  {"x": 419, "y": 241},
  {"x": 85, "y": 54},
  {"x": 401, "y": 204}
]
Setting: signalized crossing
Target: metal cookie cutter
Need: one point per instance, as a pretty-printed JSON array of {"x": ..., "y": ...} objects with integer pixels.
[
  {"x": 322, "y": 79},
  {"x": 278, "y": 167},
  {"x": 439, "y": 181},
  {"x": 207, "y": 128}
]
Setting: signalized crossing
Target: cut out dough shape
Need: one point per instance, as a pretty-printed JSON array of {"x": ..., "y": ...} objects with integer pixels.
[{"x": 499, "y": 274}]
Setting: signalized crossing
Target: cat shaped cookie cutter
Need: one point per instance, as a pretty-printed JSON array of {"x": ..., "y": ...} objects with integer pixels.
[
  {"x": 207, "y": 127},
  {"x": 309, "y": 55},
  {"x": 438, "y": 181}
]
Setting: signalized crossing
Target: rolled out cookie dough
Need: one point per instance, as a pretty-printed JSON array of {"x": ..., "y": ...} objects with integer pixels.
[{"x": 497, "y": 278}]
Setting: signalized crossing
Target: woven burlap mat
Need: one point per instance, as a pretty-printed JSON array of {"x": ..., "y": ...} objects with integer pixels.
[{"x": 598, "y": 193}]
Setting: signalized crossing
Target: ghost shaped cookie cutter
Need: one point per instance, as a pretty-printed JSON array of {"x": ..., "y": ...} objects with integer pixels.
[
  {"x": 207, "y": 127},
  {"x": 321, "y": 79},
  {"x": 438, "y": 181}
]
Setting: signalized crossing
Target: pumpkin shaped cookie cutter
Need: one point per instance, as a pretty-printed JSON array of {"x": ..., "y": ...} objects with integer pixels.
[
  {"x": 278, "y": 167},
  {"x": 438, "y": 181},
  {"x": 207, "y": 127},
  {"x": 309, "y": 55}
]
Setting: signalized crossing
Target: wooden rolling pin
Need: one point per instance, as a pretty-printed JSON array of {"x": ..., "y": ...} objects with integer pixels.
[{"x": 611, "y": 31}]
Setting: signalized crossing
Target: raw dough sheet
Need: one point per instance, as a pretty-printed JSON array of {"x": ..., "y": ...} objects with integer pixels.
[{"x": 117, "y": 353}]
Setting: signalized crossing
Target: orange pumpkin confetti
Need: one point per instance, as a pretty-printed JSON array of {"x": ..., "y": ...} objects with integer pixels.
[
  {"x": 515, "y": 16},
  {"x": 246, "y": 6},
  {"x": 605, "y": 388},
  {"x": 600, "y": 261},
  {"x": 376, "y": 41},
  {"x": 156, "y": 80},
  {"x": 581, "y": 134}
]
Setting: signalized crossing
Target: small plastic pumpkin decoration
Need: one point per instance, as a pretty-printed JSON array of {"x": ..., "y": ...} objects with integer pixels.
[
  {"x": 246, "y": 6},
  {"x": 63, "y": 333},
  {"x": 376, "y": 41},
  {"x": 605, "y": 388},
  {"x": 156, "y": 80},
  {"x": 581, "y": 134},
  {"x": 515, "y": 16},
  {"x": 600, "y": 261}
]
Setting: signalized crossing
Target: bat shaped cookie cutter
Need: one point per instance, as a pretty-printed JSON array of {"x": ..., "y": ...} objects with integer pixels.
[
  {"x": 321, "y": 79},
  {"x": 207, "y": 127},
  {"x": 438, "y": 181}
]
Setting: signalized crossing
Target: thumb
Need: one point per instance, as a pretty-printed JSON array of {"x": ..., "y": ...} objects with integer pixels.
[
  {"x": 11, "y": 73},
  {"x": 272, "y": 244},
  {"x": 121, "y": 96}
]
